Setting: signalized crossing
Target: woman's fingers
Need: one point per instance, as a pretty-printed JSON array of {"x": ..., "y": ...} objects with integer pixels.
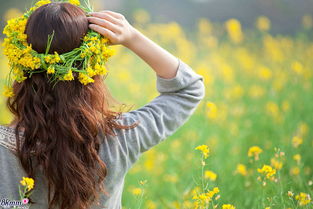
[
  {"x": 114, "y": 14},
  {"x": 104, "y": 23},
  {"x": 112, "y": 25},
  {"x": 103, "y": 31},
  {"x": 104, "y": 15}
]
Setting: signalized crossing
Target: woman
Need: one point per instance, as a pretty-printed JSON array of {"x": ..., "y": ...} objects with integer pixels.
[{"x": 71, "y": 143}]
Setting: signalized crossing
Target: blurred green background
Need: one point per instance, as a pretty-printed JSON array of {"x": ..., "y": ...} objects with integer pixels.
[{"x": 257, "y": 116}]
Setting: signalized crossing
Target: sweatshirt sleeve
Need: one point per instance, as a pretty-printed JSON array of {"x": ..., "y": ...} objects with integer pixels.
[{"x": 160, "y": 118}]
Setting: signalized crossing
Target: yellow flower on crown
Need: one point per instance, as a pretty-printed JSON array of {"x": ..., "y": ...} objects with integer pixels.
[
  {"x": 85, "y": 79},
  {"x": 51, "y": 69},
  {"x": 93, "y": 53},
  {"x": 75, "y": 2},
  {"x": 68, "y": 76}
]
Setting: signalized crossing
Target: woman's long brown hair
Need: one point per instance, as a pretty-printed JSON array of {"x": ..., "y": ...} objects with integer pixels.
[{"x": 61, "y": 124}]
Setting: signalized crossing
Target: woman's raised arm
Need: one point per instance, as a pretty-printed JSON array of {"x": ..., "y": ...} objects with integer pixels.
[
  {"x": 180, "y": 88},
  {"x": 116, "y": 28}
]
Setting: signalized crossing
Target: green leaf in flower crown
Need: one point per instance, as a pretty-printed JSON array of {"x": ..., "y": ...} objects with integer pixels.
[{"x": 62, "y": 58}]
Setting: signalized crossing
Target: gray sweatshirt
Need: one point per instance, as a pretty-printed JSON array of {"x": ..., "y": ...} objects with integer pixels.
[{"x": 159, "y": 119}]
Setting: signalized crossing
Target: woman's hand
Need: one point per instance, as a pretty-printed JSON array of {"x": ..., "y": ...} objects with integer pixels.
[
  {"x": 112, "y": 25},
  {"x": 116, "y": 28}
]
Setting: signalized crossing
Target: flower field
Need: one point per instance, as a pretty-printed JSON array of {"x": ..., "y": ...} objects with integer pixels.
[{"x": 249, "y": 143}]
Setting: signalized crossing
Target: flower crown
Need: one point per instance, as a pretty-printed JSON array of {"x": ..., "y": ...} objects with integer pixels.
[{"x": 93, "y": 53}]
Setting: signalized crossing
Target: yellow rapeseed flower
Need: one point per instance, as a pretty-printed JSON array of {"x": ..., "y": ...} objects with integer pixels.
[
  {"x": 265, "y": 73},
  {"x": 52, "y": 59},
  {"x": 303, "y": 129},
  {"x": 267, "y": 170},
  {"x": 297, "y": 157},
  {"x": 303, "y": 198},
  {"x": 216, "y": 190},
  {"x": 297, "y": 67},
  {"x": 69, "y": 76},
  {"x": 85, "y": 79},
  {"x": 51, "y": 69},
  {"x": 254, "y": 151},
  {"x": 136, "y": 191},
  {"x": 94, "y": 49},
  {"x": 18, "y": 74},
  {"x": 263, "y": 23},
  {"x": 210, "y": 175},
  {"x": 228, "y": 206},
  {"x": 42, "y": 2},
  {"x": 204, "y": 149},
  {"x": 297, "y": 141},
  {"x": 233, "y": 27},
  {"x": 205, "y": 198},
  {"x": 295, "y": 171},
  {"x": 90, "y": 72},
  {"x": 241, "y": 169},
  {"x": 28, "y": 182},
  {"x": 211, "y": 110},
  {"x": 75, "y": 2},
  {"x": 276, "y": 163},
  {"x": 100, "y": 69},
  {"x": 8, "y": 91},
  {"x": 272, "y": 108},
  {"x": 290, "y": 194},
  {"x": 151, "y": 205}
]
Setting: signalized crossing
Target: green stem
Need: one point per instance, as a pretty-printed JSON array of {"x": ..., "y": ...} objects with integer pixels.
[
  {"x": 19, "y": 191},
  {"x": 202, "y": 173},
  {"x": 281, "y": 189},
  {"x": 24, "y": 191},
  {"x": 50, "y": 38},
  {"x": 140, "y": 201}
]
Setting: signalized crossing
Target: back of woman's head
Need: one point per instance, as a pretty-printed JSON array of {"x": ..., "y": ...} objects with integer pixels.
[{"x": 61, "y": 124}]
